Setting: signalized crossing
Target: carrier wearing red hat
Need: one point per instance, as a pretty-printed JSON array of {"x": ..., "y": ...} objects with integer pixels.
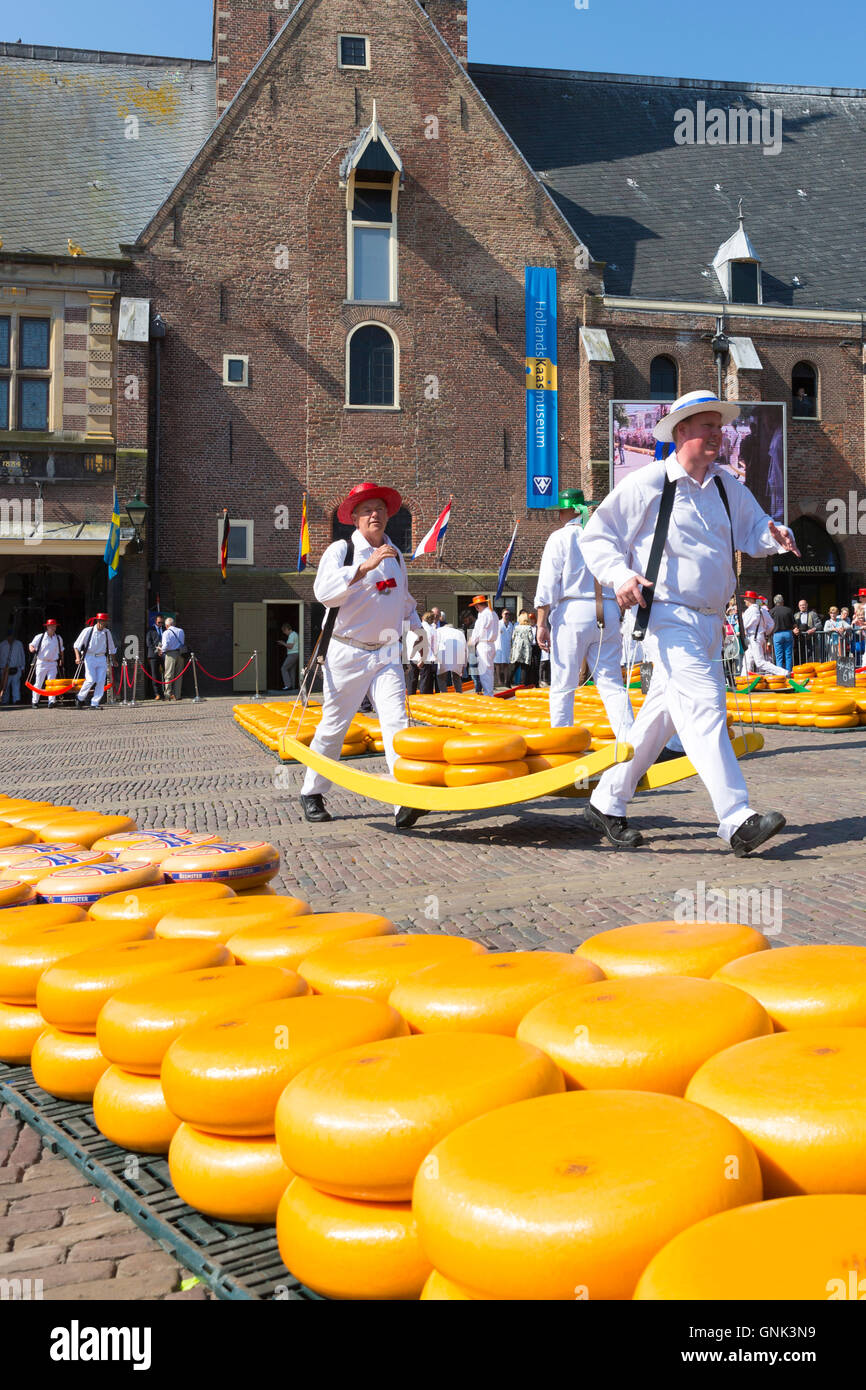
[
  {"x": 94, "y": 645},
  {"x": 483, "y": 638},
  {"x": 365, "y": 580},
  {"x": 47, "y": 647},
  {"x": 759, "y": 627}
]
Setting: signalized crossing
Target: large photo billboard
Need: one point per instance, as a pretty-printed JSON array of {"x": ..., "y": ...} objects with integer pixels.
[{"x": 754, "y": 447}]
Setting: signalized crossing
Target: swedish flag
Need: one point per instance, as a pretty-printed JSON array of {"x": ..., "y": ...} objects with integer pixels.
[{"x": 112, "y": 545}]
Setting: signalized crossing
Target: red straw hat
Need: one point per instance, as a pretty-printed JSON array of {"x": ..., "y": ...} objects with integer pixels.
[
  {"x": 749, "y": 593},
  {"x": 365, "y": 492},
  {"x": 861, "y": 593},
  {"x": 50, "y": 622},
  {"x": 101, "y": 618}
]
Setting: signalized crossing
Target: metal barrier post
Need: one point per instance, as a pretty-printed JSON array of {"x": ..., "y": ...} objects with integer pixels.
[
  {"x": 134, "y": 679},
  {"x": 123, "y": 674},
  {"x": 256, "y": 661},
  {"x": 197, "y": 700}
]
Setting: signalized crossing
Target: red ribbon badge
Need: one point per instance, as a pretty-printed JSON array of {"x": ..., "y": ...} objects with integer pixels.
[{"x": 383, "y": 584}]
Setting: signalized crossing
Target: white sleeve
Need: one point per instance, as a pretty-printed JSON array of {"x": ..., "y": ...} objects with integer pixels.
[
  {"x": 549, "y": 588},
  {"x": 609, "y": 534},
  {"x": 333, "y": 578}
]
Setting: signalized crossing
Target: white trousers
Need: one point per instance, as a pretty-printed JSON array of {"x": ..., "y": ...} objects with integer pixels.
[
  {"x": 485, "y": 653},
  {"x": 351, "y": 674},
  {"x": 44, "y": 670},
  {"x": 756, "y": 662},
  {"x": 95, "y": 671},
  {"x": 686, "y": 694},
  {"x": 574, "y": 639}
]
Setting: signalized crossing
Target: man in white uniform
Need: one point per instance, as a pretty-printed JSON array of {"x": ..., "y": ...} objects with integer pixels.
[
  {"x": 684, "y": 637},
  {"x": 758, "y": 626},
  {"x": 47, "y": 647},
  {"x": 371, "y": 595},
  {"x": 483, "y": 638},
  {"x": 94, "y": 646},
  {"x": 451, "y": 652},
  {"x": 567, "y": 625}
]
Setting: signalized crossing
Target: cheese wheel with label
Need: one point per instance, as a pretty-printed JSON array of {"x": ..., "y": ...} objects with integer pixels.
[
  {"x": 20, "y": 1026},
  {"x": 487, "y": 747},
  {"x": 21, "y": 853},
  {"x": 374, "y": 967},
  {"x": 71, "y": 993},
  {"x": 26, "y": 956},
  {"x": 18, "y": 919},
  {"x": 350, "y": 1250},
  {"x": 231, "y": 1179},
  {"x": 40, "y": 866},
  {"x": 287, "y": 940},
  {"x": 153, "y": 849},
  {"x": 139, "y": 1023},
  {"x": 67, "y": 1065},
  {"x": 670, "y": 948},
  {"x": 85, "y": 827},
  {"x": 87, "y": 885},
  {"x": 10, "y": 837},
  {"x": 359, "y": 1123},
  {"x": 418, "y": 744},
  {"x": 801, "y": 986},
  {"x": 14, "y": 892},
  {"x": 150, "y": 905},
  {"x": 226, "y": 1077},
  {"x": 123, "y": 840},
  {"x": 489, "y": 993},
  {"x": 130, "y": 1110},
  {"x": 569, "y": 1196},
  {"x": 240, "y": 864},
  {"x": 221, "y": 921}
]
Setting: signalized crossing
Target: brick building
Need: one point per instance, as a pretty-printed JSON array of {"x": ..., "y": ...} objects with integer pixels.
[{"x": 333, "y": 220}]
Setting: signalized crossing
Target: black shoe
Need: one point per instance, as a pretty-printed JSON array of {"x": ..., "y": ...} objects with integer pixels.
[
  {"x": 406, "y": 817},
  {"x": 80, "y": 704},
  {"x": 314, "y": 807},
  {"x": 756, "y": 831},
  {"x": 614, "y": 828},
  {"x": 667, "y": 755}
]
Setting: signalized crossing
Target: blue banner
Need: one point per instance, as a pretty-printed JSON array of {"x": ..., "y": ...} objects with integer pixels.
[{"x": 542, "y": 427}]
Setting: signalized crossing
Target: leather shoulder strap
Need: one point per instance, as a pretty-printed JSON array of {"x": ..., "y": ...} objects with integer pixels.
[
  {"x": 599, "y": 605},
  {"x": 663, "y": 522},
  {"x": 331, "y": 619}
]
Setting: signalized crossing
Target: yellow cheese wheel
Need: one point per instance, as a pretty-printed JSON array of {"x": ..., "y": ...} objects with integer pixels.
[
  {"x": 22, "y": 810},
  {"x": 16, "y": 919},
  {"x": 836, "y": 721},
  {"x": 569, "y": 1197},
  {"x": 226, "y": 1077},
  {"x": 350, "y": 1250},
  {"x": 67, "y": 1065},
  {"x": 425, "y": 745},
  {"x": 20, "y": 1026},
  {"x": 85, "y": 827},
  {"x": 25, "y": 956},
  {"x": 137, "y": 1024},
  {"x": 155, "y": 849},
  {"x": 240, "y": 864},
  {"x": 10, "y": 837},
  {"x": 40, "y": 866},
  {"x": 489, "y": 993},
  {"x": 472, "y": 775},
  {"x": 37, "y": 820},
  {"x": 438, "y": 1289},
  {"x": 87, "y": 885},
  {"x": 261, "y": 890},
  {"x": 800, "y": 986},
  {"x": 817, "y": 1246},
  {"x": 420, "y": 774},
  {"x": 15, "y": 892},
  {"x": 71, "y": 993},
  {"x": 541, "y": 762},
  {"x": 21, "y": 853},
  {"x": 221, "y": 921},
  {"x": 489, "y": 747},
  {"x": 360, "y": 1122},
  {"x": 150, "y": 905},
  {"x": 374, "y": 967},
  {"x": 130, "y": 1110},
  {"x": 231, "y": 1179},
  {"x": 800, "y": 1098},
  {"x": 172, "y": 839},
  {"x": 287, "y": 940},
  {"x": 789, "y": 721},
  {"x": 647, "y": 1034},
  {"x": 670, "y": 948},
  {"x": 573, "y": 740},
  {"x": 831, "y": 705}
]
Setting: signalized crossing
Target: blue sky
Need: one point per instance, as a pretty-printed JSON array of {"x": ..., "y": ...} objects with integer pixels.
[{"x": 788, "y": 41}]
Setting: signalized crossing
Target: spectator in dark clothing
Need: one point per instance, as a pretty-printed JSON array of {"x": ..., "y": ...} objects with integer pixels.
[
  {"x": 783, "y": 633},
  {"x": 806, "y": 624},
  {"x": 153, "y": 645}
]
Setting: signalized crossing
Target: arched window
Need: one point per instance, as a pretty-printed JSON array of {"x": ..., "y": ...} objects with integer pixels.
[
  {"x": 372, "y": 366},
  {"x": 804, "y": 391},
  {"x": 663, "y": 379},
  {"x": 398, "y": 529}
]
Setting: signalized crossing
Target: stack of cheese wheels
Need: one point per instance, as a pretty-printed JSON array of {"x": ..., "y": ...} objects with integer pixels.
[
  {"x": 241, "y": 864},
  {"x": 799, "y": 1098},
  {"x": 725, "y": 1257},
  {"x": 801, "y": 986},
  {"x": 487, "y": 993},
  {"x": 41, "y": 865},
  {"x": 22, "y": 810},
  {"x": 355, "y": 1129},
  {"x": 151, "y": 905},
  {"x": 137, "y": 1025},
  {"x": 549, "y": 747},
  {"x": 85, "y": 827},
  {"x": 570, "y": 1196},
  {"x": 16, "y": 892},
  {"x": 484, "y": 756},
  {"x": 153, "y": 849},
  {"x": 289, "y": 940},
  {"x": 220, "y": 921},
  {"x": 643, "y": 1034},
  {"x": 670, "y": 948},
  {"x": 21, "y": 1024},
  {"x": 441, "y": 757},
  {"x": 85, "y": 886},
  {"x": 36, "y": 820},
  {"x": 124, "y": 840},
  {"x": 374, "y": 967},
  {"x": 224, "y": 1079}
]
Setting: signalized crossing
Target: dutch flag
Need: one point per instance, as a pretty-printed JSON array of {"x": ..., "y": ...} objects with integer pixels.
[{"x": 435, "y": 535}]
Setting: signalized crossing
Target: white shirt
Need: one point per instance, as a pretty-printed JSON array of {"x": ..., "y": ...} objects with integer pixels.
[
  {"x": 92, "y": 642},
  {"x": 503, "y": 641},
  {"x": 486, "y": 629},
  {"x": 450, "y": 648},
  {"x": 757, "y": 620},
  {"x": 696, "y": 568},
  {"x": 172, "y": 639},
  {"x": 50, "y": 648},
  {"x": 563, "y": 572},
  {"x": 366, "y": 614}
]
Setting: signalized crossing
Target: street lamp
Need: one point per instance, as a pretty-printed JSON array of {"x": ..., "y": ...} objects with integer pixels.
[{"x": 137, "y": 510}]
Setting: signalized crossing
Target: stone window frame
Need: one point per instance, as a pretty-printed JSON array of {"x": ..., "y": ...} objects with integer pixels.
[
  {"x": 359, "y": 182},
  {"x": 374, "y": 323},
  {"x": 237, "y": 524},
  {"x": 15, "y": 374},
  {"x": 815, "y": 370},
  {"x": 236, "y": 357},
  {"x": 353, "y": 67}
]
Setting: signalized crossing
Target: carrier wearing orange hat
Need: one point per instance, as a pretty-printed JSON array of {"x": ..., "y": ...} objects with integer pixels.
[
  {"x": 365, "y": 580},
  {"x": 47, "y": 647},
  {"x": 94, "y": 645},
  {"x": 483, "y": 638}
]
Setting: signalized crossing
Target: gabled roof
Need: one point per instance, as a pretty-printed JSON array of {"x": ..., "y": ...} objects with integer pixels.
[
  {"x": 371, "y": 149},
  {"x": 67, "y": 169},
  {"x": 656, "y": 211}
]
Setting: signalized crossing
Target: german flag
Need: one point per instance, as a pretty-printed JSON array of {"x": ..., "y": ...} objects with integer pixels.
[
  {"x": 304, "y": 543},
  {"x": 224, "y": 544}
]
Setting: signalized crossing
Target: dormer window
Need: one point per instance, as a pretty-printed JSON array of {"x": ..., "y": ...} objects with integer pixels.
[
  {"x": 738, "y": 267},
  {"x": 745, "y": 287}
]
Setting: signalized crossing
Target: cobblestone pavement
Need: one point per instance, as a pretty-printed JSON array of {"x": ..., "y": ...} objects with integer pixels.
[{"x": 529, "y": 876}]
